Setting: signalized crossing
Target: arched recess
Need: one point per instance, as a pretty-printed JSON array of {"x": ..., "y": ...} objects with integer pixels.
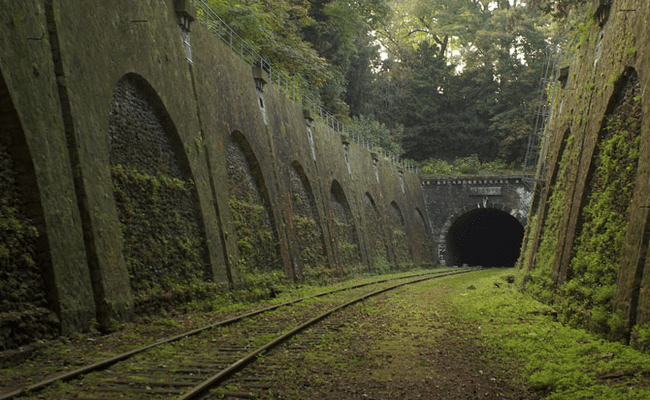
[
  {"x": 422, "y": 221},
  {"x": 375, "y": 234},
  {"x": 26, "y": 314},
  {"x": 344, "y": 231},
  {"x": 155, "y": 195},
  {"x": 488, "y": 234},
  {"x": 401, "y": 239},
  {"x": 250, "y": 205},
  {"x": 605, "y": 209},
  {"x": 423, "y": 241},
  {"x": 307, "y": 224}
]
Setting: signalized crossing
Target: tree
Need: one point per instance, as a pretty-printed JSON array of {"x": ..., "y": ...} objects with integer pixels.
[
  {"x": 460, "y": 77},
  {"x": 274, "y": 28},
  {"x": 446, "y": 115},
  {"x": 342, "y": 35},
  {"x": 469, "y": 71},
  {"x": 378, "y": 133}
]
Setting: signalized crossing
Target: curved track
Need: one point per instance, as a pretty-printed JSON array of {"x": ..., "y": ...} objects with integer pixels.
[{"x": 186, "y": 366}]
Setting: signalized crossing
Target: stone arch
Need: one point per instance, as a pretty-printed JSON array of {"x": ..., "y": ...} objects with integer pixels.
[
  {"x": 27, "y": 312},
  {"x": 155, "y": 196},
  {"x": 374, "y": 228},
  {"x": 422, "y": 241},
  {"x": 343, "y": 228},
  {"x": 307, "y": 223},
  {"x": 251, "y": 208},
  {"x": 443, "y": 251},
  {"x": 421, "y": 220},
  {"x": 400, "y": 237},
  {"x": 396, "y": 213}
]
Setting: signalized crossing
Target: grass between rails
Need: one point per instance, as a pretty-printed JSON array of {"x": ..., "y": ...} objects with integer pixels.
[
  {"x": 495, "y": 339},
  {"x": 559, "y": 361},
  {"x": 50, "y": 358}
]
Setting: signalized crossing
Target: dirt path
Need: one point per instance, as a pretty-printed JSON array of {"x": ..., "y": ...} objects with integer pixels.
[{"x": 404, "y": 345}]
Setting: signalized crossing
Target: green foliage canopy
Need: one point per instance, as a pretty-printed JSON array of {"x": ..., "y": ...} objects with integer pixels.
[{"x": 460, "y": 76}]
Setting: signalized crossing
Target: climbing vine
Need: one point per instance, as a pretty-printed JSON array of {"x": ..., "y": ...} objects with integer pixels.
[
  {"x": 255, "y": 238},
  {"x": 347, "y": 248},
  {"x": 24, "y": 311},
  {"x": 163, "y": 243},
  {"x": 402, "y": 252},
  {"x": 312, "y": 253}
]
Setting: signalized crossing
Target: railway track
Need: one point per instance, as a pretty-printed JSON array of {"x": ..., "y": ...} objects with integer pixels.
[{"x": 189, "y": 365}]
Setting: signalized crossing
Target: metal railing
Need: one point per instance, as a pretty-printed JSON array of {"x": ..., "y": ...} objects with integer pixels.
[
  {"x": 538, "y": 139},
  {"x": 211, "y": 20}
]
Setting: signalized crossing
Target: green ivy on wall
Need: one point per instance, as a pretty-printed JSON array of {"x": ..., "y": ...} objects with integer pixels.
[
  {"x": 312, "y": 252},
  {"x": 24, "y": 310},
  {"x": 348, "y": 251},
  {"x": 255, "y": 238},
  {"x": 163, "y": 244}
]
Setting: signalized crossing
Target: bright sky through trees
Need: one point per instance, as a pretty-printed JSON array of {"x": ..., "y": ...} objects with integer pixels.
[{"x": 437, "y": 78}]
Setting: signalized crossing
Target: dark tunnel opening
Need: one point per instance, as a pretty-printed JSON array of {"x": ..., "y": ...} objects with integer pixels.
[{"x": 486, "y": 237}]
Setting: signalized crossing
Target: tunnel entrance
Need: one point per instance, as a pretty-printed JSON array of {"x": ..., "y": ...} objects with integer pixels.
[{"x": 485, "y": 236}]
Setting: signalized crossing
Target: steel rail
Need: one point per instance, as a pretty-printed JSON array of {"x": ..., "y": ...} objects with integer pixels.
[
  {"x": 103, "y": 364},
  {"x": 200, "y": 389}
]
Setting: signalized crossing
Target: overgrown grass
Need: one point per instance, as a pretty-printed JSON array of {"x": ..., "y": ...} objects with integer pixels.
[
  {"x": 560, "y": 361},
  {"x": 215, "y": 303}
]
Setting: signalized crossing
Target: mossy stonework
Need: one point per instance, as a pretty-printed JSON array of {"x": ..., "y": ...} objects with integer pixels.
[
  {"x": 344, "y": 232},
  {"x": 164, "y": 244},
  {"x": 307, "y": 226},
  {"x": 32, "y": 133},
  {"x": 376, "y": 239},
  {"x": 423, "y": 245},
  {"x": 587, "y": 248},
  {"x": 147, "y": 180},
  {"x": 398, "y": 230},
  {"x": 25, "y": 312},
  {"x": 249, "y": 202}
]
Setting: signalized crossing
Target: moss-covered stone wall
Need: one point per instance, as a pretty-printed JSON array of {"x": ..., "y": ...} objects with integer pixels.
[
  {"x": 344, "y": 231},
  {"x": 586, "y": 252},
  {"x": 375, "y": 235},
  {"x": 155, "y": 196},
  {"x": 57, "y": 285},
  {"x": 25, "y": 312},
  {"x": 253, "y": 222},
  {"x": 403, "y": 255},
  {"x": 156, "y": 178},
  {"x": 308, "y": 227},
  {"x": 424, "y": 248}
]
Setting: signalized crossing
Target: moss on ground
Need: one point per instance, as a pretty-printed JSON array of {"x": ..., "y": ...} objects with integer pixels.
[
  {"x": 558, "y": 361},
  {"x": 446, "y": 338}
]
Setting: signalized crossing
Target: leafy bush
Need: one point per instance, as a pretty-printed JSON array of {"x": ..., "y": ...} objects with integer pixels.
[{"x": 470, "y": 165}]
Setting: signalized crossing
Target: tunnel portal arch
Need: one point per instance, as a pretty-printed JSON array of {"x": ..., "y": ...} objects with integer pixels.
[{"x": 489, "y": 235}]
